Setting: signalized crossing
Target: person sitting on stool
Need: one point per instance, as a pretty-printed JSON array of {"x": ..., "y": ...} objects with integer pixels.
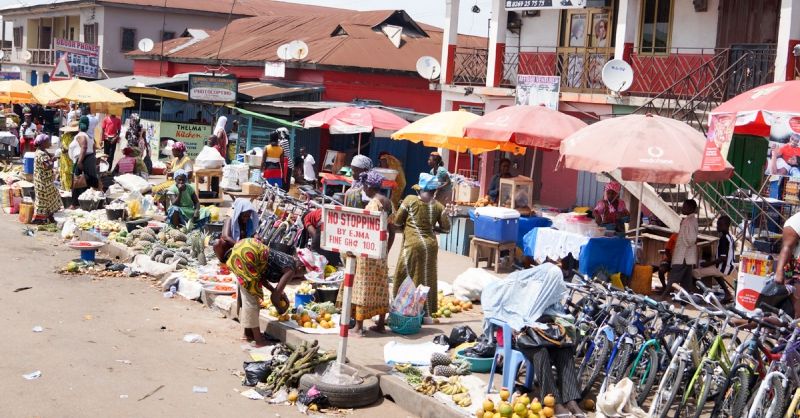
[{"x": 722, "y": 266}]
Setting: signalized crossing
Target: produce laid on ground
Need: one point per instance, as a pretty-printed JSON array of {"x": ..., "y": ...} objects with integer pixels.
[
  {"x": 168, "y": 246},
  {"x": 449, "y": 305},
  {"x": 315, "y": 315},
  {"x": 298, "y": 361},
  {"x": 429, "y": 384},
  {"x": 520, "y": 406}
]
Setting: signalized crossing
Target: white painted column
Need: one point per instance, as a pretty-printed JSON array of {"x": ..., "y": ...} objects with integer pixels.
[
  {"x": 625, "y": 32},
  {"x": 788, "y": 37},
  {"x": 449, "y": 40},
  {"x": 497, "y": 44}
]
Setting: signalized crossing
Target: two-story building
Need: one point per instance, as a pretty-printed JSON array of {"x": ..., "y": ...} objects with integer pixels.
[
  {"x": 101, "y": 32},
  {"x": 687, "y": 56}
]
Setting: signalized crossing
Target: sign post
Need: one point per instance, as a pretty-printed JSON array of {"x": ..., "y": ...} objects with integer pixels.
[
  {"x": 213, "y": 88},
  {"x": 355, "y": 233}
]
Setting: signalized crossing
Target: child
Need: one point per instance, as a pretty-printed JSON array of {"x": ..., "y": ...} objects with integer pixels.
[
  {"x": 684, "y": 258},
  {"x": 723, "y": 265}
]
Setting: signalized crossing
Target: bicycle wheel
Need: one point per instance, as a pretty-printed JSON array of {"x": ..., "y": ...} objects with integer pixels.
[
  {"x": 620, "y": 364},
  {"x": 700, "y": 391},
  {"x": 591, "y": 367},
  {"x": 733, "y": 398},
  {"x": 643, "y": 373},
  {"x": 667, "y": 390},
  {"x": 768, "y": 397}
]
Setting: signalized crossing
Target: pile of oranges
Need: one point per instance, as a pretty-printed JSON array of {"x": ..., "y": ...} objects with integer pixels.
[{"x": 323, "y": 320}]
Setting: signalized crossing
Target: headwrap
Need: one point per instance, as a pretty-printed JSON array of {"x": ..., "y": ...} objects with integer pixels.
[
  {"x": 372, "y": 179},
  {"x": 613, "y": 186},
  {"x": 41, "y": 139},
  {"x": 435, "y": 154},
  {"x": 180, "y": 147},
  {"x": 361, "y": 161},
  {"x": 180, "y": 172},
  {"x": 428, "y": 182},
  {"x": 127, "y": 151},
  {"x": 241, "y": 206},
  {"x": 83, "y": 124},
  {"x": 220, "y": 128}
]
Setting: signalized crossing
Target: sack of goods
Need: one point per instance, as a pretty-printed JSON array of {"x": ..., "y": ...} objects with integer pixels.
[
  {"x": 209, "y": 158},
  {"x": 230, "y": 178}
]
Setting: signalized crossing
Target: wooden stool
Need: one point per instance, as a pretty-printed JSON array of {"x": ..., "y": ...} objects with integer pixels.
[
  {"x": 489, "y": 251},
  {"x": 207, "y": 174}
]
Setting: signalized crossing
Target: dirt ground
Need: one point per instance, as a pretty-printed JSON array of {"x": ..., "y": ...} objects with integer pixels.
[{"x": 108, "y": 343}]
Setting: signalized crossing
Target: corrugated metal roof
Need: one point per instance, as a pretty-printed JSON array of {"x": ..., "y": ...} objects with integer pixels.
[
  {"x": 361, "y": 44},
  {"x": 241, "y": 7},
  {"x": 256, "y": 90},
  {"x": 121, "y": 83}
]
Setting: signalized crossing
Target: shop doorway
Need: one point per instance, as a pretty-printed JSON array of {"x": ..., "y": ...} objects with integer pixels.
[{"x": 586, "y": 44}]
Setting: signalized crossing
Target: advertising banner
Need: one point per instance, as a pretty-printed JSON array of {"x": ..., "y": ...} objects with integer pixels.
[
  {"x": 83, "y": 59},
  {"x": 720, "y": 134},
  {"x": 194, "y": 136},
  {"x": 215, "y": 89},
  {"x": 538, "y": 90},
  {"x": 357, "y": 231},
  {"x": 544, "y": 4}
]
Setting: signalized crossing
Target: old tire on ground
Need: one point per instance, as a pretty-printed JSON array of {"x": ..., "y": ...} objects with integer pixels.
[{"x": 345, "y": 396}]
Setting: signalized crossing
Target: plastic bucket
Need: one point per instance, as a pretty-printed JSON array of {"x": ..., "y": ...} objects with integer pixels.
[
  {"x": 27, "y": 162},
  {"x": 300, "y": 300}
]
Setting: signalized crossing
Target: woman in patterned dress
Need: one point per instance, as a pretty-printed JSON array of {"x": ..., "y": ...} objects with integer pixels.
[
  {"x": 65, "y": 162},
  {"x": 48, "y": 201},
  {"x": 370, "y": 295},
  {"x": 421, "y": 217}
]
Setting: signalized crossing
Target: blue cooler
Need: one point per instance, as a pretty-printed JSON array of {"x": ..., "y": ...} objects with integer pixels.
[
  {"x": 496, "y": 224},
  {"x": 27, "y": 162}
]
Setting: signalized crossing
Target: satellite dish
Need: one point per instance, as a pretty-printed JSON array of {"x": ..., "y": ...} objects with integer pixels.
[
  {"x": 428, "y": 68},
  {"x": 617, "y": 75},
  {"x": 146, "y": 45},
  {"x": 298, "y": 50},
  {"x": 26, "y": 55},
  {"x": 283, "y": 52}
]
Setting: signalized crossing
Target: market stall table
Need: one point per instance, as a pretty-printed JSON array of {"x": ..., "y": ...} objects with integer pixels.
[
  {"x": 613, "y": 254},
  {"x": 8, "y": 142},
  {"x": 490, "y": 251},
  {"x": 208, "y": 174},
  {"x": 235, "y": 195}
]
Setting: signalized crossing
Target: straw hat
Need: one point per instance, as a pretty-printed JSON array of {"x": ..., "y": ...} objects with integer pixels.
[{"x": 72, "y": 127}]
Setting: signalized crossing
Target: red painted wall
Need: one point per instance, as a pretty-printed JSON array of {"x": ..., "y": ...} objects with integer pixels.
[
  {"x": 409, "y": 92},
  {"x": 559, "y": 188}
]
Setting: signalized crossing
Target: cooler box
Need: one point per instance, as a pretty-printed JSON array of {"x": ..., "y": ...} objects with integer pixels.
[
  {"x": 496, "y": 224},
  {"x": 27, "y": 162}
]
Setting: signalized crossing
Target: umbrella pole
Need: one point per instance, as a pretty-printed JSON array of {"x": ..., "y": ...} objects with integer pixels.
[
  {"x": 533, "y": 162},
  {"x": 358, "y": 151},
  {"x": 638, "y": 221}
]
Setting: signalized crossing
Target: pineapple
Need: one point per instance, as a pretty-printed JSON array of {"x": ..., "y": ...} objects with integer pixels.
[
  {"x": 440, "y": 359},
  {"x": 445, "y": 371}
]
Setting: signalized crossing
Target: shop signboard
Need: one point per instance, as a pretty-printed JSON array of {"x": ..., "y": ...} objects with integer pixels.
[
  {"x": 193, "y": 135},
  {"x": 10, "y": 75},
  {"x": 536, "y": 90},
  {"x": 275, "y": 69},
  {"x": 545, "y": 4},
  {"x": 213, "y": 88},
  {"x": 360, "y": 232},
  {"x": 83, "y": 59}
]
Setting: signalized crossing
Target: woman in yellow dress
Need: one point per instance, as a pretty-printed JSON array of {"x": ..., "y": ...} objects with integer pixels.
[
  {"x": 179, "y": 161},
  {"x": 65, "y": 163}
]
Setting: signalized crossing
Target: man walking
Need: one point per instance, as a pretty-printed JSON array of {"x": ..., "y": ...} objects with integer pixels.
[{"x": 112, "y": 125}]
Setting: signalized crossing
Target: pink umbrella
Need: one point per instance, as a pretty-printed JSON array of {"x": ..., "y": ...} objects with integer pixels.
[
  {"x": 355, "y": 120},
  {"x": 643, "y": 148},
  {"x": 530, "y": 126}
]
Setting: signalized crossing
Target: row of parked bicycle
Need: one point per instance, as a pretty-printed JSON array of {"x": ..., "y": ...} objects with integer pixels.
[{"x": 716, "y": 361}]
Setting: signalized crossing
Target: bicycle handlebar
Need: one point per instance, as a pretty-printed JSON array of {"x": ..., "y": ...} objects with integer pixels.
[{"x": 690, "y": 300}]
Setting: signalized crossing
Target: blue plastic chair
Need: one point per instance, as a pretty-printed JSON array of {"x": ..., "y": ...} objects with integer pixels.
[{"x": 512, "y": 359}]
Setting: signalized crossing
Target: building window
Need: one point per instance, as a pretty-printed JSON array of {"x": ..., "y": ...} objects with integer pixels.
[
  {"x": 167, "y": 35},
  {"x": 18, "y": 37},
  {"x": 128, "y": 39},
  {"x": 656, "y": 26},
  {"x": 90, "y": 34}
]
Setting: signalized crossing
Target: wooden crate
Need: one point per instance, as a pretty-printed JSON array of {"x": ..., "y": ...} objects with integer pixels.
[{"x": 457, "y": 240}]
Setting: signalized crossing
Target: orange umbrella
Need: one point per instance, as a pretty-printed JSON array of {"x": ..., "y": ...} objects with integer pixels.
[{"x": 16, "y": 91}]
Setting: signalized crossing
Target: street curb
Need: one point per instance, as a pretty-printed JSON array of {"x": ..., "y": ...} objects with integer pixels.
[{"x": 392, "y": 387}]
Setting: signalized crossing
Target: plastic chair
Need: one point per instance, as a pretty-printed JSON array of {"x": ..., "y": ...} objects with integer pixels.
[{"x": 511, "y": 360}]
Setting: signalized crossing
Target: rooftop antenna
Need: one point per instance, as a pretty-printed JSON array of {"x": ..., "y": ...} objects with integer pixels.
[
  {"x": 617, "y": 75},
  {"x": 428, "y": 68}
]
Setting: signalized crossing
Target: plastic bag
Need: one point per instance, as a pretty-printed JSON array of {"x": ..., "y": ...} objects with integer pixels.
[
  {"x": 442, "y": 339},
  {"x": 256, "y": 371},
  {"x": 485, "y": 348},
  {"x": 405, "y": 295},
  {"x": 209, "y": 158},
  {"x": 313, "y": 396},
  {"x": 469, "y": 284},
  {"x": 462, "y": 334},
  {"x": 132, "y": 182},
  {"x": 776, "y": 295}
]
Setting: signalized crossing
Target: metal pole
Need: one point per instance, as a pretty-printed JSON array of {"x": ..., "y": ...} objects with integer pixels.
[
  {"x": 344, "y": 320},
  {"x": 638, "y": 221}
]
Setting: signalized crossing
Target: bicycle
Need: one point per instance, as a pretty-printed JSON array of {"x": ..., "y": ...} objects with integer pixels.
[{"x": 781, "y": 379}]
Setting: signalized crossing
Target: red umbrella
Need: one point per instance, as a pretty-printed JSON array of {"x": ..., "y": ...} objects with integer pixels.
[
  {"x": 354, "y": 120},
  {"x": 530, "y": 126},
  {"x": 758, "y": 109}
]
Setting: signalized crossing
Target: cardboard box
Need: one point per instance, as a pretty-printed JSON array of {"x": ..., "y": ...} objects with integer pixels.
[
  {"x": 252, "y": 188},
  {"x": 467, "y": 193}
]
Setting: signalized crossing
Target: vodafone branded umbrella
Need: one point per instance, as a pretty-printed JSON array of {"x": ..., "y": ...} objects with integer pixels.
[
  {"x": 757, "y": 110},
  {"x": 529, "y": 126}
]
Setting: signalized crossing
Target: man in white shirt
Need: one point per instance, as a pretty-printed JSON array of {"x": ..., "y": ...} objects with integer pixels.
[
  {"x": 684, "y": 258},
  {"x": 309, "y": 174}
]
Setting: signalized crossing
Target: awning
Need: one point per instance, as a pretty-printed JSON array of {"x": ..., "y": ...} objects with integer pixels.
[
  {"x": 155, "y": 91},
  {"x": 260, "y": 90},
  {"x": 271, "y": 119}
]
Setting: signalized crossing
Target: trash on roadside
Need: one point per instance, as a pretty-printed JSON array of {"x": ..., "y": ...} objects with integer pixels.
[
  {"x": 38, "y": 328},
  {"x": 194, "y": 338},
  {"x": 199, "y": 389},
  {"x": 33, "y": 375},
  {"x": 20, "y": 289},
  {"x": 124, "y": 361},
  {"x": 256, "y": 371},
  {"x": 123, "y": 396},
  {"x": 279, "y": 397},
  {"x": 87, "y": 317},
  {"x": 252, "y": 394}
]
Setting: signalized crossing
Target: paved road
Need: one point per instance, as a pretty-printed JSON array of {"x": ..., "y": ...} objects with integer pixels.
[{"x": 93, "y": 327}]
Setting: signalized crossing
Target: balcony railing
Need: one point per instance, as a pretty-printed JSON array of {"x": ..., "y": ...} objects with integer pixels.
[
  {"x": 43, "y": 56},
  {"x": 581, "y": 68}
]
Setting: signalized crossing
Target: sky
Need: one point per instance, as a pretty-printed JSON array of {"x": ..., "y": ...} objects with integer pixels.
[{"x": 426, "y": 11}]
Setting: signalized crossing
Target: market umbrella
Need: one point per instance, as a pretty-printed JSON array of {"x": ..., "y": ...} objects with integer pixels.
[
  {"x": 355, "y": 120},
  {"x": 16, "y": 91},
  {"x": 446, "y": 130},
  {"x": 530, "y": 126},
  {"x": 60, "y": 93},
  {"x": 758, "y": 109},
  {"x": 643, "y": 148}
]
